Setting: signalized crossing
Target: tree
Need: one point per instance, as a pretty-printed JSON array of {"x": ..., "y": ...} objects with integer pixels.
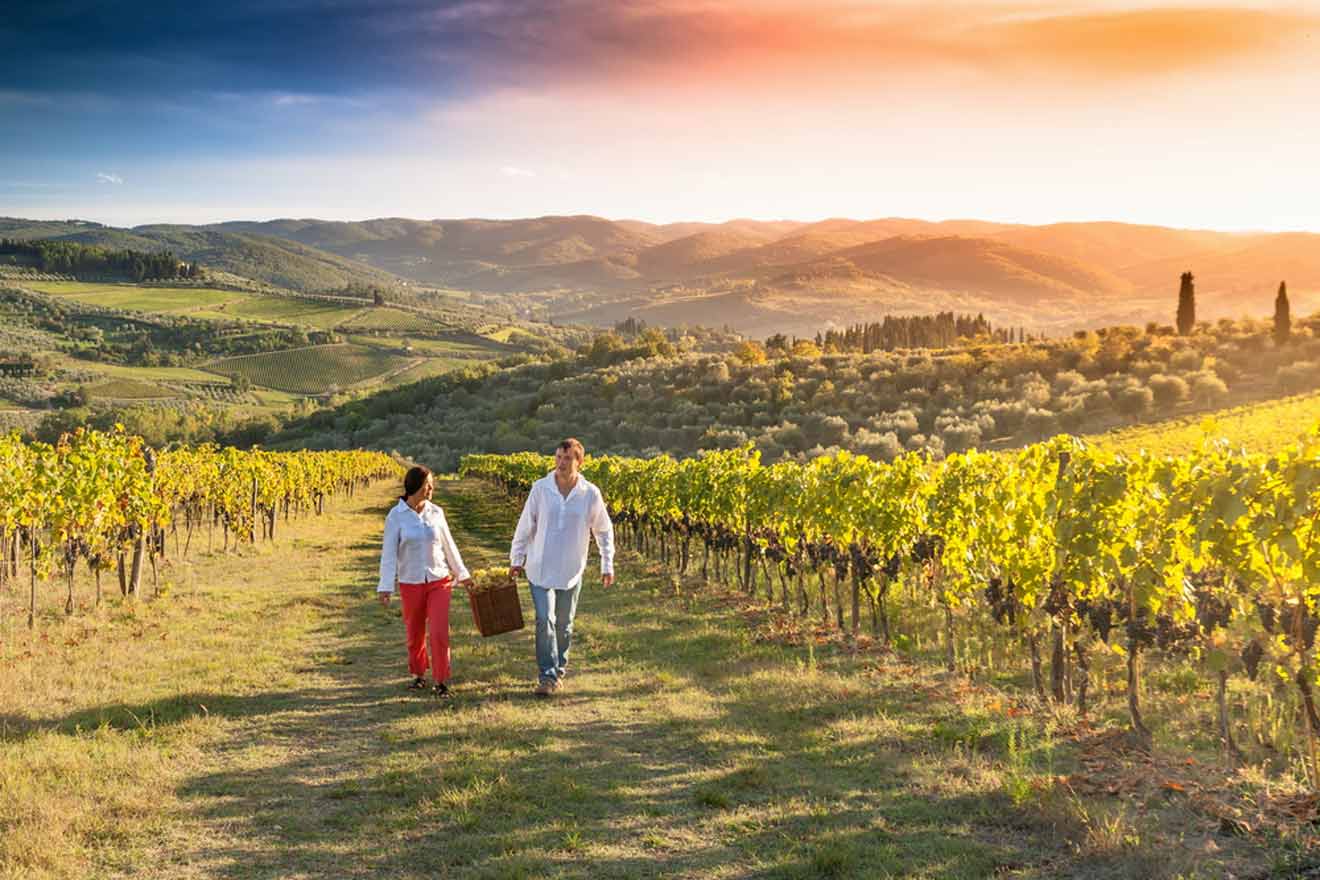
[
  {"x": 750, "y": 353},
  {"x": 1282, "y": 315},
  {"x": 1186, "y": 305}
]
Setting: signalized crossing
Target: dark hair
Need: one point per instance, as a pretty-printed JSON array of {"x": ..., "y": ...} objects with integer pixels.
[
  {"x": 414, "y": 480},
  {"x": 573, "y": 445}
]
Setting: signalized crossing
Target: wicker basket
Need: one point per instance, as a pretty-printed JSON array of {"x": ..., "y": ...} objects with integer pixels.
[{"x": 496, "y": 610}]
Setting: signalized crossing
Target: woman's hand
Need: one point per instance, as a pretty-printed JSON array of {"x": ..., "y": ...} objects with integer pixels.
[
  {"x": 384, "y": 600},
  {"x": 466, "y": 582},
  {"x": 515, "y": 571}
]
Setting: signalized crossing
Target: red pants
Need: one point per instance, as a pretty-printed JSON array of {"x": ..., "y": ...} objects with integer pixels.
[{"x": 427, "y": 605}]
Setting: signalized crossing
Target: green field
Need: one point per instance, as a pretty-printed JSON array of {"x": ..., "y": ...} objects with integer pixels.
[
  {"x": 161, "y": 374},
  {"x": 129, "y": 389},
  {"x": 314, "y": 370},
  {"x": 428, "y": 368},
  {"x": 203, "y": 302},
  {"x": 167, "y": 300},
  {"x": 1260, "y": 427},
  {"x": 457, "y": 348},
  {"x": 506, "y": 334},
  {"x": 282, "y": 310}
]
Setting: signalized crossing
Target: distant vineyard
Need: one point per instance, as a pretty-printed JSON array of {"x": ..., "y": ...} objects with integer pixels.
[
  {"x": 314, "y": 370},
  {"x": 129, "y": 389},
  {"x": 216, "y": 391},
  {"x": 394, "y": 320}
]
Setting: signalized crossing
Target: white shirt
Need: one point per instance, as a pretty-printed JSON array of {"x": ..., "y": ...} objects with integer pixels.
[
  {"x": 550, "y": 542},
  {"x": 418, "y": 548}
]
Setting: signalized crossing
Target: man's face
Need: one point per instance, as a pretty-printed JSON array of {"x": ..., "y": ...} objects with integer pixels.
[{"x": 566, "y": 462}]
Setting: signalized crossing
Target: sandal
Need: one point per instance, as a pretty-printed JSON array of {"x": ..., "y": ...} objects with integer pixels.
[
  {"x": 441, "y": 689},
  {"x": 418, "y": 683}
]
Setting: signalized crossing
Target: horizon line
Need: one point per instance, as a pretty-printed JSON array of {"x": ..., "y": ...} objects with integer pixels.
[{"x": 1280, "y": 230}]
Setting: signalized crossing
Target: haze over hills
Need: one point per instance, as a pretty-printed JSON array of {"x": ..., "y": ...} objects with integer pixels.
[
  {"x": 763, "y": 277},
  {"x": 775, "y": 276}
]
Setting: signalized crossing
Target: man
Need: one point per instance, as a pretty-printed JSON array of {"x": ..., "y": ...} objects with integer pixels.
[{"x": 550, "y": 547}]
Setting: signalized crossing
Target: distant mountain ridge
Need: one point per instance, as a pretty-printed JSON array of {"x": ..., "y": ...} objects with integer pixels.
[{"x": 781, "y": 275}]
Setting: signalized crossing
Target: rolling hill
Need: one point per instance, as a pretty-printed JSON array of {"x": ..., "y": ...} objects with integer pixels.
[
  {"x": 276, "y": 261},
  {"x": 762, "y": 276}
]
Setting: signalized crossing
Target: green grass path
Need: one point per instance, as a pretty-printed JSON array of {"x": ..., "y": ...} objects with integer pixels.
[{"x": 254, "y": 723}]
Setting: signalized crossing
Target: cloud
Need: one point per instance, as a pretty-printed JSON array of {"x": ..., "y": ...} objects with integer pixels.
[
  {"x": 102, "y": 177},
  {"x": 296, "y": 52},
  {"x": 288, "y": 100},
  {"x": 515, "y": 171},
  {"x": 11, "y": 96},
  {"x": 668, "y": 43}
]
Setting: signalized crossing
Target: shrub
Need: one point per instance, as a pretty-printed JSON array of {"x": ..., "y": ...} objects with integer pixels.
[
  {"x": 1133, "y": 400},
  {"x": 1185, "y": 361},
  {"x": 1207, "y": 388},
  {"x": 1168, "y": 390},
  {"x": 902, "y": 422},
  {"x": 1299, "y": 377},
  {"x": 880, "y": 446},
  {"x": 1040, "y": 423},
  {"x": 960, "y": 436}
]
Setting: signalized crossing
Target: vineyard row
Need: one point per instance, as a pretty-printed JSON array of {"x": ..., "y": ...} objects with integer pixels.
[
  {"x": 1059, "y": 548},
  {"x": 106, "y": 499}
]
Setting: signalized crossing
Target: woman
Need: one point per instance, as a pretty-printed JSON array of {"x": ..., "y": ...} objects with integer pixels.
[{"x": 420, "y": 554}]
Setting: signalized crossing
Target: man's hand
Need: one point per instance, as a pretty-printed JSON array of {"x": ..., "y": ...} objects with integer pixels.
[
  {"x": 607, "y": 580},
  {"x": 384, "y": 600},
  {"x": 516, "y": 571}
]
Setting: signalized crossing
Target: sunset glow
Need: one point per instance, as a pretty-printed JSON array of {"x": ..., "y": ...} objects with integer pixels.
[{"x": 1171, "y": 113}]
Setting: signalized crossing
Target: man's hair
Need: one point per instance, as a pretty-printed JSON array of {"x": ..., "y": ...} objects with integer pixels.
[{"x": 573, "y": 445}]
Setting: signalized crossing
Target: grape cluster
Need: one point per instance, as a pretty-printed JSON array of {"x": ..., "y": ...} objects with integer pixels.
[
  {"x": 864, "y": 562},
  {"x": 1267, "y": 615},
  {"x": 1251, "y": 657},
  {"x": 1099, "y": 613},
  {"x": 1212, "y": 612},
  {"x": 927, "y": 547},
  {"x": 1003, "y": 601},
  {"x": 1058, "y": 602}
]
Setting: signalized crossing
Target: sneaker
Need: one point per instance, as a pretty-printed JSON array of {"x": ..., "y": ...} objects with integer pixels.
[
  {"x": 417, "y": 683},
  {"x": 441, "y": 690}
]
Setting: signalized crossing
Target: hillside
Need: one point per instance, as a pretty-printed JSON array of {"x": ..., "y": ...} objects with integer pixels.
[
  {"x": 761, "y": 277},
  {"x": 988, "y": 396},
  {"x": 1055, "y": 277},
  {"x": 275, "y": 261}
]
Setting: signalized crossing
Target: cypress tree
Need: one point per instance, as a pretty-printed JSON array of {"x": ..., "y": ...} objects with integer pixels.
[
  {"x": 1282, "y": 315},
  {"x": 1186, "y": 305}
]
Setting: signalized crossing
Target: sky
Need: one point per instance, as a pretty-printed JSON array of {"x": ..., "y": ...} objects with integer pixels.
[{"x": 1191, "y": 114}]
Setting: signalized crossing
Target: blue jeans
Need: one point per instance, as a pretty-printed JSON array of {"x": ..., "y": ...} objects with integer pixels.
[{"x": 554, "y": 629}]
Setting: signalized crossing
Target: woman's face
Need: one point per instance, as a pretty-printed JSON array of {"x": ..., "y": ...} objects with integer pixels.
[{"x": 424, "y": 493}]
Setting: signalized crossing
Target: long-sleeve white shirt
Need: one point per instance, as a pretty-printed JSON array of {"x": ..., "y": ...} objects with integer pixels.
[
  {"x": 418, "y": 548},
  {"x": 551, "y": 540}
]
